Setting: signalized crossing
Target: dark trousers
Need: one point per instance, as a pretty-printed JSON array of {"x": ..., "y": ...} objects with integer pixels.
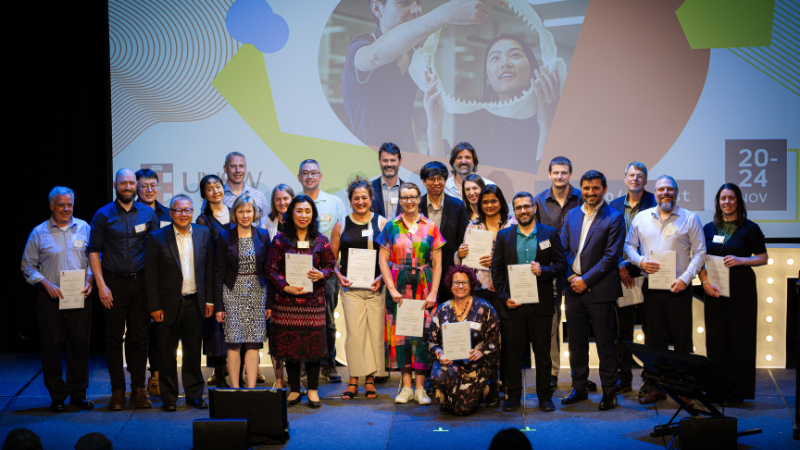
[
  {"x": 188, "y": 328},
  {"x": 293, "y": 369},
  {"x": 731, "y": 325},
  {"x": 668, "y": 318},
  {"x": 57, "y": 328},
  {"x": 516, "y": 334},
  {"x": 601, "y": 317},
  {"x": 127, "y": 321},
  {"x": 331, "y": 302},
  {"x": 626, "y": 321},
  {"x": 152, "y": 349}
]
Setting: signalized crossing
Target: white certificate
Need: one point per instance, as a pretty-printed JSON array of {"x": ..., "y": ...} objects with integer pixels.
[
  {"x": 666, "y": 271},
  {"x": 410, "y": 319},
  {"x": 631, "y": 296},
  {"x": 71, "y": 284},
  {"x": 361, "y": 267},
  {"x": 718, "y": 274},
  {"x": 480, "y": 244},
  {"x": 456, "y": 341},
  {"x": 522, "y": 284},
  {"x": 297, "y": 268}
]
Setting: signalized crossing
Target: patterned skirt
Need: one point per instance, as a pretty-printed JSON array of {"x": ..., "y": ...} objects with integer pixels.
[
  {"x": 459, "y": 387},
  {"x": 245, "y": 321},
  {"x": 297, "y": 332},
  {"x": 407, "y": 352}
]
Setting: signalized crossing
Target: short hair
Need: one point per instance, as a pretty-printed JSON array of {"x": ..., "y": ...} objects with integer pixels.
[
  {"x": 288, "y": 225},
  {"x": 309, "y": 161},
  {"x": 475, "y": 178},
  {"x": 523, "y": 194},
  {"x": 180, "y": 197},
  {"x": 409, "y": 185},
  {"x": 360, "y": 182},
  {"x": 94, "y": 441},
  {"x": 510, "y": 438},
  {"x": 382, "y": 2},
  {"x": 390, "y": 148},
  {"x": 242, "y": 200},
  {"x": 741, "y": 209},
  {"x": 458, "y": 268},
  {"x": 60, "y": 190},
  {"x": 504, "y": 211},
  {"x": 638, "y": 166},
  {"x": 273, "y": 213},
  {"x": 559, "y": 161},
  {"x": 22, "y": 439},
  {"x": 146, "y": 173},
  {"x": 231, "y": 155},
  {"x": 594, "y": 175},
  {"x": 460, "y": 147},
  {"x": 667, "y": 177},
  {"x": 433, "y": 169}
]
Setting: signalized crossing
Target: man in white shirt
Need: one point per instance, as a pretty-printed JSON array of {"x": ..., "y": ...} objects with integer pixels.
[
  {"x": 235, "y": 168},
  {"x": 464, "y": 162}
]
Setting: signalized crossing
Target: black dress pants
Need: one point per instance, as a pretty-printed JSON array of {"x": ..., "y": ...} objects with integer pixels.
[
  {"x": 517, "y": 334},
  {"x": 668, "y": 318},
  {"x": 582, "y": 314},
  {"x": 188, "y": 328},
  {"x": 152, "y": 349},
  {"x": 626, "y": 321},
  {"x": 57, "y": 328},
  {"x": 127, "y": 321}
]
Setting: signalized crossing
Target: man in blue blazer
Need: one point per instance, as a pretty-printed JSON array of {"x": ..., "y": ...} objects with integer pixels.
[
  {"x": 592, "y": 237},
  {"x": 389, "y": 158},
  {"x": 520, "y": 324},
  {"x": 180, "y": 294}
]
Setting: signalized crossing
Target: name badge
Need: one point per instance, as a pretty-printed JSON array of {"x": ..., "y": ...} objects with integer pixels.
[
  {"x": 671, "y": 232},
  {"x": 164, "y": 223},
  {"x": 79, "y": 244},
  {"x": 544, "y": 244},
  {"x": 413, "y": 229},
  {"x": 139, "y": 228},
  {"x": 302, "y": 244},
  {"x": 325, "y": 217},
  {"x": 719, "y": 239},
  {"x": 365, "y": 233},
  {"x": 475, "y": 326},
  {"x": 393, "y": 200}
]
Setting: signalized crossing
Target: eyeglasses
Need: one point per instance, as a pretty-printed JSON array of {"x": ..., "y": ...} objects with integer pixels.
[
  {"x": 307, "y": 174},
  {"x": 148, "y": 187},
  {"x": 436, "y": 180},
  {"x": 181, "y": 212},
  {"x": 460, "y": 283},
  {"x": 409, "y": 199},
  {"x": 521, "y": 208}
]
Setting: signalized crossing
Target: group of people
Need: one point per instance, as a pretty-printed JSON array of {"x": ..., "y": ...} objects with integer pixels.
[{"x": 220, "y": 285}]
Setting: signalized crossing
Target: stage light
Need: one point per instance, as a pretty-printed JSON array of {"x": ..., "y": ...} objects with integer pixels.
[
  {"x": 700, "y": 329},
  {"x": 179, "y": 352},
  {"x": 770, "y": 261},
  {"x": 338, "y": 334},
  {"x": 769, "y": 299},
  {"x": 790, "y": 261},
  {"x": 769, "y": 338},
  {"x": 769, "y": 319},
  {"x": 566, "y": 354},
  {"x": 639, "y": 337},
  {"x": 563, "y": 307},
  {"x": 769, "y": 357},
  {"x": 336, "y": 314},
  {"x": 770, "y": 280}
]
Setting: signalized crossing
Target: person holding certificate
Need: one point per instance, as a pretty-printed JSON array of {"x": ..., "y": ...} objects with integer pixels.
[
  {"x": 240, "y": 288},
  {"x": 352, "y": 240},
  {"x": 462, "y": 384},
  {"x": 731, "y": 321},
  {"x": 299, "y": 261},
  {"x": 674, "y": 236},
  {"x": 533, "y": 249},
  {"x": 412, "y": 244},
  {"x": 55, "y": 250}
]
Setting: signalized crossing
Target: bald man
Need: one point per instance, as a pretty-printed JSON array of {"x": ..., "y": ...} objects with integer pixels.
[{"x": 116, "y": 255}]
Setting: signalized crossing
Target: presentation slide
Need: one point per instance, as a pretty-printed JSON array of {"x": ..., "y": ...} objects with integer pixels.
[{"x": 707, "y": 91}]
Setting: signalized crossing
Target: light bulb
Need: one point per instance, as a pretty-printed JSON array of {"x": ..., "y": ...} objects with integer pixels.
[
  {"x": 790, "y": 261},
  {"x": 769, "y": 357},
  {"x": 639, "y": 337},
  {"x": 336, "y": 314},
  {"x": 563, "y": 307},
  {"x": 338, "y": 334},
  {"x": 769, "y": 319},
  {"x": 770, "y": 261},
  {"x": 180, "y": 353},
  {"x": 770, "y": 280},
  {"x": 769, "y": 338},
  {"x": 566, "y": 354},
  {"x": 700, "y": 329},
  {"x": 260, "y": 354},
  {"x": 769, "y": 299}
]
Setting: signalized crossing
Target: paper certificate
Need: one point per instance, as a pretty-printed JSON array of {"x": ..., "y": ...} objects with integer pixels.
[
  {"x": 71, "y": 284},
  {"x": 297, "y": 268},
  {"x": 522, "y": 284},
  {"x": 480, "y": 244},
  {"x": 456, "y": 340},
  {"x": 361, "y": 267},
  {"x": 718, "y": 274},
  {"x": 666, "y": 271},
  {"x": 410, "y": 319},
  {"x": 631, "y": 296}
]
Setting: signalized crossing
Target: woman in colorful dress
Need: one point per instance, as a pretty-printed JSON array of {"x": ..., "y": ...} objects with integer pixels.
[{"x": 412, "y": 245}]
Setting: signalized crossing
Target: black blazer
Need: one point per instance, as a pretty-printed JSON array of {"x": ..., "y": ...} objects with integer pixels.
[
  {"x": 226, "y": 267},
  {"x": 377, "y": 199},
  {"x": 551, "y": 259},
  {"x": 453, "y": 228},
  {"x": 163, "y": 266},
  {"x": 648, "y": 201}
]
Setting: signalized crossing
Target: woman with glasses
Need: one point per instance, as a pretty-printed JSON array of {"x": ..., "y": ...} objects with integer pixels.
[
  {"x": 412, "y": 244},
  {"x": 461, "y": 385}
]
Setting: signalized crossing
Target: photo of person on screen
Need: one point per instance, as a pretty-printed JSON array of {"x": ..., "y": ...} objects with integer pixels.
[{"x": 510, "y": 68}]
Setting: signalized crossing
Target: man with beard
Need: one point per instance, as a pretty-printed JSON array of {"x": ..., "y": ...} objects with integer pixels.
[
  {"x": 464, "y": 162},
  {"x": 387, "y": 186},
  {"x": 667, "y": 227},
  {"x": 592, "y": 238},
  {"x": 116, "y": 254}
]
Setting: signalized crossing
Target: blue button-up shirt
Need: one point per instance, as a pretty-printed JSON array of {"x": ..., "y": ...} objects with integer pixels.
[
  {"x": 526, "y": 246},
  {"x": 114, "y": 234},
  {"x": 50, "y": 250}
]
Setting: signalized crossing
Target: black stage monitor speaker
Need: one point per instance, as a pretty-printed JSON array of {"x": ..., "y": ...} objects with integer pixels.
[
  {"x": 705, "y": 433},
  {"x": 214, "y": 434},
  {"x": 263, "y": 408}
]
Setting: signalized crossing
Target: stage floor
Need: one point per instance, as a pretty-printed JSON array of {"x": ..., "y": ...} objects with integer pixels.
[{"x": 378, "y": 424}]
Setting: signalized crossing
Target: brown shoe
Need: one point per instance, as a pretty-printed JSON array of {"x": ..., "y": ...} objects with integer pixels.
[
  {"x": 652, "y": 397},
  {"x": 139, "y": 398},
  {"x": 117, "y": 402},
  {"x": 153, "y": 387},
  {"x": 689, "y": 402},
  {"x": 260, "y": 379}
]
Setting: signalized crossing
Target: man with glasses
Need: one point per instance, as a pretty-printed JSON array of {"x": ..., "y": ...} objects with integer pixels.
[
  {"x": 464, "y": 162},
  {"x": 330, "y": 209},
  {"x": 521, "y": 325}
]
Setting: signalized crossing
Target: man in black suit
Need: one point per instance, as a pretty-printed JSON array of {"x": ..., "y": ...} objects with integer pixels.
[
  {"x": 522, "y": 324},
  {"x": 387, "y": 186},
  {"x": 179, "y": 297},
  {"x": 448, "y": 213},
  {"x": 592, "y": 237}
]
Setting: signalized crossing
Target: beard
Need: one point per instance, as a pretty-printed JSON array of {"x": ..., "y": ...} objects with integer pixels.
[
  {"x": 525, "y": 220},
  {"x": 464, "y": 170},
  {"x": 666, "y": 204},
  {"x": 389, "y": 171},
  {"x": 125, "y": 198}
]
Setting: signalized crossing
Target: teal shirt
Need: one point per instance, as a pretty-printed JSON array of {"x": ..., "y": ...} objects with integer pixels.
[{"x": 526, "y": 247}]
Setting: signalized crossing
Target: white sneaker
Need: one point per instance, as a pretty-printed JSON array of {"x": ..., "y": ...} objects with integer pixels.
[
  {"x": 422, "y": 397},
  {"x": 405, "y": 395}
]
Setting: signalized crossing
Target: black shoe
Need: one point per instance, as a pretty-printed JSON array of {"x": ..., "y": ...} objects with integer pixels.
[
  {"x": 492, "y": 398},
  {"x": 511, "y": 404},
  {"x": 332, "y": 375},
  {"x": 609, "y": 401},
  {"x": 295, "y": 401},
  {"x": 553, "y": 382},
  {"x": 442, "y": 408},
  {"x": 169, "y": 407},
  {"x": 82, "y": 403},
  {"x": 222, "y": 383},
  {"x": 575, "y": 397},
  {"x": 591, "y": 386},
  {"x": 314, "y": 405},
  {"x": 57, "y": 406},
  {"x": 197, "y": 403},
  {"x": 547, "y": 405},
  {"x": 624, "y": 387}
]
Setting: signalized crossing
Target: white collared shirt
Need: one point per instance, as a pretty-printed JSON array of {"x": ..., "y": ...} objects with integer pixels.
[
  {"x": 587, "y": 223},
  {"x": 455, "y": 191},
  {"x": 330, "y": 209},
  {"x": 186, "y": 254}
]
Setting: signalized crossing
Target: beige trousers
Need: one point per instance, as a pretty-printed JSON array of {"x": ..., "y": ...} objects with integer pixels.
[{"x": 365, "y": 321}]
